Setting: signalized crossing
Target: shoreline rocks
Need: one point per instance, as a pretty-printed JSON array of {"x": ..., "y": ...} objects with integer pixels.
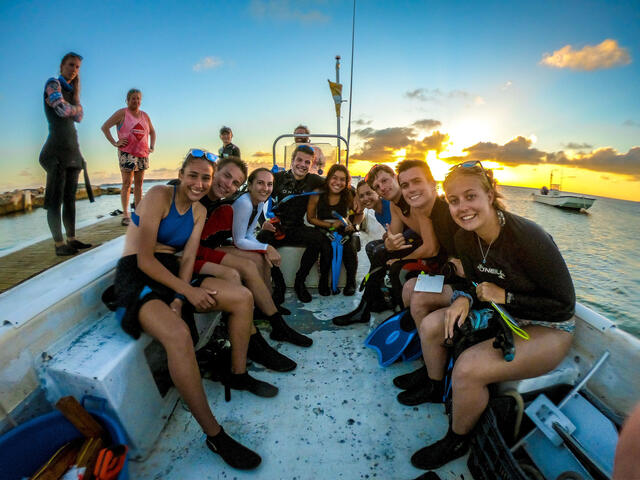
[{"x": 23, "y": 200}]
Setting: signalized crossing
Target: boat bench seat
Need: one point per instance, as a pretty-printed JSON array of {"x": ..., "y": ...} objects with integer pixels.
[
  {"x": 291, "y": 262},
  {"x": 105, "y": 363},
  {"x": 567, "y": 373}
]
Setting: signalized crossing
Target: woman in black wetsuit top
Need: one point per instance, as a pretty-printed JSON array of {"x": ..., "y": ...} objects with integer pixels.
[
  {"x": 60, "y": 155},
  {"x": 336, "y": 197},
  {"x": 516, "y": 264}
]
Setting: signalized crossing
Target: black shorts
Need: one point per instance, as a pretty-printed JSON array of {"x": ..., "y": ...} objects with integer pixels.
[{"x": 129, "y": 284}]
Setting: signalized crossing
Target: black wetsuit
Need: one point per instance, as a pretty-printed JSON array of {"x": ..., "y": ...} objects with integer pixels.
[
  {"x": 525, "y": 261},
  {"x": 229, "y": 150},
  {"x": 291, "y": 215},
  {"x": 61, "y": 158}
]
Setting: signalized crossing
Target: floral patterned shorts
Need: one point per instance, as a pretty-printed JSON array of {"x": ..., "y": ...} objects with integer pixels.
[{"x": 129, "y": 163}]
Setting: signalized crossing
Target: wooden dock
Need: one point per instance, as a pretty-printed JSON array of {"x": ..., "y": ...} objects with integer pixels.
[{"x": 19, "y": 266}]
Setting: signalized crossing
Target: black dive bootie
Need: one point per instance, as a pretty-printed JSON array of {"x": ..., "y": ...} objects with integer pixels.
[
  {"x": 323, "y": 285},
  {"x": 232, "y": 452},
  {"x": 360, "y": 315},
  {"x": 244, "y": 381},
  {"x": 414, "y": 379},
  {"x": 440, "y": 453},
  {"x": 282, "y": 332},
  {"x": 279, "y": 287},
  {"x": 261, "y": 352}
]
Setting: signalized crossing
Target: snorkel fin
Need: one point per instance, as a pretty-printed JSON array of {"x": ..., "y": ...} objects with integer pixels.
[{"x": 389, "y": 340}]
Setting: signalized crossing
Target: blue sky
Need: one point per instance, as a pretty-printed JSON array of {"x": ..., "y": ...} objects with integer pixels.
[{"x": 474, "y": 67}]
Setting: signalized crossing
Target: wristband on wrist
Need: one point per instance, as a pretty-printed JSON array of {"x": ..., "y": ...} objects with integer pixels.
[
  {"x": 459, "y": 293},
  {"x": 508, "y": 298}
]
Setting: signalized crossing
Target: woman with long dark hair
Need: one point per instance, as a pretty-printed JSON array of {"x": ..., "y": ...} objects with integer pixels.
[{"x": 337, "y": 197}]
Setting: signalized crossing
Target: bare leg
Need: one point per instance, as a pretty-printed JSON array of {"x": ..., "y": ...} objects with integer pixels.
[
  {"x": 422, "y": 304},
  {"x": 138, "y": 177},
  {"x": 125, "y": 193},
  {"x": 253, "y": 279},
  {"x": 258, "y": 258},
  {"x": 238, "y": 301},
  {"x": 159, "y": 321},
  {"x": 482, "y": 365},
  {"x": 221, "y": 272},
  {"x": 431, "y": 333}
]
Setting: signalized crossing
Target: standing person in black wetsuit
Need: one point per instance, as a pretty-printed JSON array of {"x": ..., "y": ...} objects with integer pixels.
[
  {"x": 291, "y": 213},
  {"x": 514, "y": 263},
  {"x": 227, "y": 149},
  {"x": 60, "y": 155}
]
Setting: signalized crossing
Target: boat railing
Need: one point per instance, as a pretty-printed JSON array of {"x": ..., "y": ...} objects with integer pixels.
[{"x": 340, "y": 138}]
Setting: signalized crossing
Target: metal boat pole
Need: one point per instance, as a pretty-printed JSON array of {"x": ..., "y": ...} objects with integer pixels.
[
  {"x": 338, "y": 115},
  {"x": 353, "y": 34}
]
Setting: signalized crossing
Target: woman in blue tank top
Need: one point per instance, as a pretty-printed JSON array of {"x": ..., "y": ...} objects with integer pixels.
[{"x": 152, "y": 285}]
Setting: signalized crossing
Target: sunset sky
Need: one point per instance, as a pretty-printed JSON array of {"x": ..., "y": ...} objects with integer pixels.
[{"x": 525, "y": 87}]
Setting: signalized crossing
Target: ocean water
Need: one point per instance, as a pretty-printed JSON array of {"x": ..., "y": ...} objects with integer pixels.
[{"x": 601, "y": 248}]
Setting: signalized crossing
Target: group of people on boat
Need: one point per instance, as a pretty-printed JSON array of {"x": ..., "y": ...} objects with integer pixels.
[{"x": 487, "y": 255}]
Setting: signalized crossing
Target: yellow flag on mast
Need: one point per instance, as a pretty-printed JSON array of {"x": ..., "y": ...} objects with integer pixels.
[{"x": 336, "y": 93}]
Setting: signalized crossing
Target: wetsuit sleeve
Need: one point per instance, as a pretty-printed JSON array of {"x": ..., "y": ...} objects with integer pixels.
[
  {"x": 54, "y": 98},
  {"x": 540, "y": 259},
  {"x": 243, "y": 236}
]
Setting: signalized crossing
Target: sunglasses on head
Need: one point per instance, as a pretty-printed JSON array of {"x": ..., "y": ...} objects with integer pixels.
[
  {"x": 471, "y": 164},
  {"x": 305, "y": 149},
  {"x": 198, "y": 153}
]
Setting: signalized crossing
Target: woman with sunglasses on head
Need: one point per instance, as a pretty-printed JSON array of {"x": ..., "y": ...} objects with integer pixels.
[
  {"x": 337, "y": 197},
  {"x": 515, "y": 264},
  {"x": 60, "y": 155},
  {"x": 152, "y": 284},
  {"x": 136, "y": 140}
]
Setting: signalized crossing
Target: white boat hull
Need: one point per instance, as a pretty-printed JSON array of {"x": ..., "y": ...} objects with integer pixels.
[{"x": 570, "y": 202}]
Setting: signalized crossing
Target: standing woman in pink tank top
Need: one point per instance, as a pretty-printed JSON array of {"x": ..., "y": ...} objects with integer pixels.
[{"x": 136, "y": 139}]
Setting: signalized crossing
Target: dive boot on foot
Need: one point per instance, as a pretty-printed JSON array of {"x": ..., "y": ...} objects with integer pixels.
[
  {"x": 261, "y": 352},
  {"x": 360, "y": 315},
  {"x": 244, "y": 381},
  {"x": 436, "y": 455},
  {"x": 428, "y": 392},
  {"x": 65, "y": 250},
  {"x": 78, "y": 245},
  {"x": 282, "y": 332},
  {"x": 414, "y": 379},
  {"x": 301, "y": 291},
  {"x": 232, "y": 452}
]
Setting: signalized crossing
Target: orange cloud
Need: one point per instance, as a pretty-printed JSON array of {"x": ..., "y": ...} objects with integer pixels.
[
  {"x": 261, "y": 154},
  {"x": 607, "y": 54},
  {"x": 380, "y": 145}
]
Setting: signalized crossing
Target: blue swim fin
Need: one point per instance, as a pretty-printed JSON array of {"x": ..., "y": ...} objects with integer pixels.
[
  {"x": 413, "y": 350},
  {"x": 389, "y": 340},
  {"x": 336, "y": 262}
]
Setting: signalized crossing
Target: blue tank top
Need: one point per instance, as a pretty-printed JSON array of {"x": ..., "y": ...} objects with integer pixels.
[
  {"x": 174, "y": 229},
  {"x": 384, "y": 217}
]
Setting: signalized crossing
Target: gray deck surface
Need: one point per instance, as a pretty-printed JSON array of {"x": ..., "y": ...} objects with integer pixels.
[{"x": 336, "y": 416}]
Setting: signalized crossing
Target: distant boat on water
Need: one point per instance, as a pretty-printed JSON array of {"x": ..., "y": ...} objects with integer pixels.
[{"x": 556, "y": 198}]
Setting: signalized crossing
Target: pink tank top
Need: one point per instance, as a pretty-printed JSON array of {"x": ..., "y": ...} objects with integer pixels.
[{"x": 136, "y": 130}]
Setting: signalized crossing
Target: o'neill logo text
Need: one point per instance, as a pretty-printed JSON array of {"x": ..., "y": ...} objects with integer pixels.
[{"x": 492, "y": 271}]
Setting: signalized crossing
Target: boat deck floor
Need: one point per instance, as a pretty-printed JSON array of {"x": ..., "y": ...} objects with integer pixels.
[
  {"x": 335, "y": 417},
  {"x": 28, "y": 262}
]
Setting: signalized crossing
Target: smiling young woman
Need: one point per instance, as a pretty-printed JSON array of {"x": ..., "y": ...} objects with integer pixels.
[{"x": 515, "y": 263}]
